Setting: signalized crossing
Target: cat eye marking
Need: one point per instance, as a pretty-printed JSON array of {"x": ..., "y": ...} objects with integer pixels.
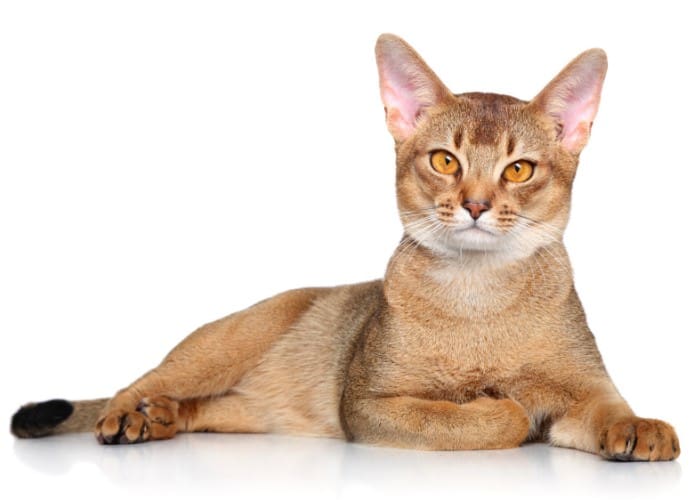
[
  {"x": 444, "y": 162},
  {"x": 511, "y": 146},
  {"x": 459, "y": 134},
  {"x": 519, "y": 171}
]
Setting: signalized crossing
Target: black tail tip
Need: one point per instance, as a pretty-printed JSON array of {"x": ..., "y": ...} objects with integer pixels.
[{"x": 39, "y": 419}]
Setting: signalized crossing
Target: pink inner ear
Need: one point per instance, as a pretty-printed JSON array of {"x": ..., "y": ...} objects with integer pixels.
[
  {"x": 576, "y": 119},
  {"x": 571, "y": 99},
  {"x": 401, "y": 103},
  {"x": 408, "y": 86},
  {"x": 575, "y": 97}
]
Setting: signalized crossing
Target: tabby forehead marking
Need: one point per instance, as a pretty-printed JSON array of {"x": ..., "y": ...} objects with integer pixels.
[{"x": 458, "y": 137}]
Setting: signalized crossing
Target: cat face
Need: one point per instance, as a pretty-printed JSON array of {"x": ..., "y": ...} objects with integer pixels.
[
  {"x": 483, "y": 172},
  {"x": 483, "y": 175}
]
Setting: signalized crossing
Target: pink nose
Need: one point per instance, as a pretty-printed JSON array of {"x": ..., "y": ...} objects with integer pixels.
[{"x": 476, "y": 208}]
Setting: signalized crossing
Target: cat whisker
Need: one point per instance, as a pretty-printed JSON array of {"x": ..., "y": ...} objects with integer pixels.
[
  {"x": 416, "y": 224},
  {"x": 417, "y": 211},
  {"x": 417, "y": 232},
  {"x": 541, "y": 240},
  {"x": 556, "y": 258},
  {"x": 539, "y": 223},
  {"x": 537, "y": 238},
  {"x": 435, "y": 230},
  {"x": 552, "y": 233}
]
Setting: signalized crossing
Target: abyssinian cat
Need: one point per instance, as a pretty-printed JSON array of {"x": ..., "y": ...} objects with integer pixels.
[{"x": 475, "y": 338}]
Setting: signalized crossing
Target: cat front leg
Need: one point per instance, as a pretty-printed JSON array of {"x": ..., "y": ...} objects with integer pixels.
[
  {"x": 410, "y": 422},
  {"x": 161, "y": 417},
  {"x": 603, "y": 423},
  {"x": 154, "y": 418}
]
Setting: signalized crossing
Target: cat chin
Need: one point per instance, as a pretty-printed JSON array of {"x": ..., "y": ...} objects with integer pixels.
[
  {"x": 476, "y": 235},
  {"x": 476, "y": 239},
  {"x": 493, "y": 249},
  {"x": 459, "y": 244}
]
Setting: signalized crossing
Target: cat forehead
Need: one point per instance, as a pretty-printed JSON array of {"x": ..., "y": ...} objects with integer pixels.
[{"x": 482, "y": 119}]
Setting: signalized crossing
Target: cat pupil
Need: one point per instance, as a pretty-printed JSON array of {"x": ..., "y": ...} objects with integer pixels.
[{"x": 517, "y": 167}]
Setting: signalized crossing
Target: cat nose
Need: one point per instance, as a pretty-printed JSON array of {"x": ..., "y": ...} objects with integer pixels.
[{"x": 476, "y": 208}]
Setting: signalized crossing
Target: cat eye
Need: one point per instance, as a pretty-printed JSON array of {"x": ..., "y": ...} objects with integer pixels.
[
  {"x": 518, "y": 171},
  {"x": 444, "y": 163}
]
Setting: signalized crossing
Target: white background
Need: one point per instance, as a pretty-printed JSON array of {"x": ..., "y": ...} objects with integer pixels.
[{"x": 165, "y": 163}]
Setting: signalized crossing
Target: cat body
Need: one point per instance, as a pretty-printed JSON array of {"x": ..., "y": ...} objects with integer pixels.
[{"x": 474, "y": 339}]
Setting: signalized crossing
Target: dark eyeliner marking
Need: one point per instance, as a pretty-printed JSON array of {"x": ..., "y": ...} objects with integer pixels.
[
  {"x": 459, "y": 133},
  {"x": 511, "y": 146}
]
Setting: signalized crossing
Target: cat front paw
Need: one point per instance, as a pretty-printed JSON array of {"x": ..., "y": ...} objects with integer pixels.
[
  {"x": 154, "y": 418},
  {"x": 641, "y": 439}
]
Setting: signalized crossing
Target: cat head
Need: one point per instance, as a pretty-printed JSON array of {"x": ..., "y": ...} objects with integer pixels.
[{"x": 481, "y": 172}]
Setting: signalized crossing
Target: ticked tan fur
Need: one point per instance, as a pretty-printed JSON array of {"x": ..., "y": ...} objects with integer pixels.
[{"x": 463, "y": 345}]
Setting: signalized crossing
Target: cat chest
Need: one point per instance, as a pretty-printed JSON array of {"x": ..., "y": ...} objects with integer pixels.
[
  {"x": 455, "y": 367},
  {"x": 440, "y": 379}
]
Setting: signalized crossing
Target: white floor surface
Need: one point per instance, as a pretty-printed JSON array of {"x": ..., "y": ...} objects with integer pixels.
[{"x": 268, "y": 466}]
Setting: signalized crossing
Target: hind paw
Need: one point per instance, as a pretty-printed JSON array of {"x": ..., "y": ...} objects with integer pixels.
[{"x": 154, "y": 418}]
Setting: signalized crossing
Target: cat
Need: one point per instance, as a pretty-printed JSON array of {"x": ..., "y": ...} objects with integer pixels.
[{"x": 474, "y": 339}]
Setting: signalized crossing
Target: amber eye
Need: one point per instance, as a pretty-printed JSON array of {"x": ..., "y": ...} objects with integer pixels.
[
  {"x": 444, "y": 162},
  {"x": 518, "y": 171}
]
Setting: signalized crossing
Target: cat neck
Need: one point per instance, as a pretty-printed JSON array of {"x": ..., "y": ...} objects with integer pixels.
[{"x": 476, "y": 284}]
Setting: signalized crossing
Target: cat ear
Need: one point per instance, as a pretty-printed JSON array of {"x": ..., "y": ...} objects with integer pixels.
[
  {"x": 408, "y": 86},
  {"x": 572, "y": 98}
]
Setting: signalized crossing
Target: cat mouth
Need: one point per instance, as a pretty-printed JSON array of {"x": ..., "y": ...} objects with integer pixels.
[
  {"x": 476, "y": 237},
  {"x": 474, "y": 229}
]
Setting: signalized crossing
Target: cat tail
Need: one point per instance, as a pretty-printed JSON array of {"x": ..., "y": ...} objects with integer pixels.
[{"x": 56, "y": 416}]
